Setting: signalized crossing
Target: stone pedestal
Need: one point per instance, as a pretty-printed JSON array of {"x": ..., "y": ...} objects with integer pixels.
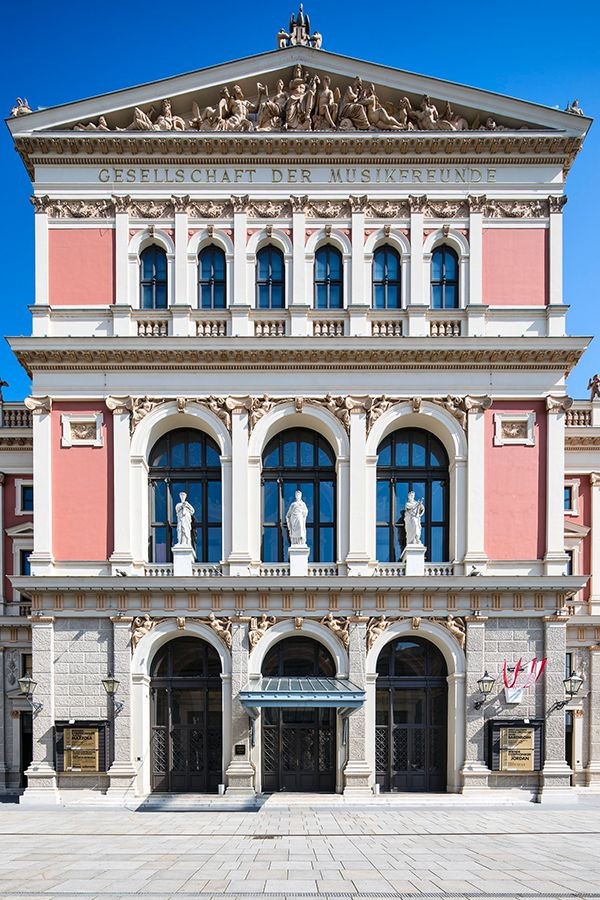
[
  {"x": 183, "y": 557},
  {"x": 413, "y": 557},
  {"x": 298, "y": 560}
]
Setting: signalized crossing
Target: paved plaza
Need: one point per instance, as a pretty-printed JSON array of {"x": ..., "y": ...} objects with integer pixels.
[{"x": 289, "y": 850}]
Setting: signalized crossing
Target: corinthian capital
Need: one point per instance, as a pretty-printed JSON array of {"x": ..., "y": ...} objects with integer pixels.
[
  {"x": 477, "y": 404},
  {"x": 180, "y": 202},
  {"x": 555, "y": 204},
  {"x": 240, "y": 202},
  {"x": 417, "y": 202},
  {"x": 358, "y": 203},
  {"x": 477, "y": 203},
  {"x": 41, "y": 204},
  {"x": 119, "y": 404},
  {"x": 122, "y": 202},
  {"x": 38, "y": 405},
  {"x": 558, "y": 404},
  {"x": 595, "y": 479}
]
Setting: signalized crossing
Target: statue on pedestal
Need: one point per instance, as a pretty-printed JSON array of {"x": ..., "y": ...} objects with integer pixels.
[
  {"x": 296, "y": 517},
  {"x": 414, "y": 510},
  {"x": 184, "y": 512}
]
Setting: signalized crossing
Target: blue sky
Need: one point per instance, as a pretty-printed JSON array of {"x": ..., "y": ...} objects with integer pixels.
[{"x": 543, "y": 52}]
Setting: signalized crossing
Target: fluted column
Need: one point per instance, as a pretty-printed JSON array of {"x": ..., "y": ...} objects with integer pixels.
[
  {"x": 240, "y": 771},
  {"x": 41, "y": 775}
]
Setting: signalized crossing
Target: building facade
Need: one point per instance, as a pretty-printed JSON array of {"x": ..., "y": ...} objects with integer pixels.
[{"x": 294, "y": 272}]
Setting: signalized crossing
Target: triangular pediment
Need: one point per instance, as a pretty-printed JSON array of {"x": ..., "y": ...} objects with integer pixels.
[
  {"x": 25, "y": 529},
  {"x": 297, "y": 89},
  {"x": 574, "y": 530}
]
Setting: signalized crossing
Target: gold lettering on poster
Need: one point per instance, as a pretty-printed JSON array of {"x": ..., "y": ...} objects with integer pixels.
[
  {"x": 81, "y": 747},
  {"x": 517, "y": 749}
]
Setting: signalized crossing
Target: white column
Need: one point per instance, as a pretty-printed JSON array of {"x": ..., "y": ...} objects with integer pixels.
[
  {"x": 42, "y": 296},
  {"x": 358, "y": 298},
  {"x": 594, "y": 601},
  {"x": 41, "y": 558},
  {"x": 122, "y": 555},
  {"x": 555, "y": 558},
  {"x": 299, "y": 301},
  {"x": 358, "y": 544},
  {"x": 1, "y": 543},
  {"x": 240, "y": 557},
  {"x": 555, "y": 251},
  {"x": 122, "y": 297},
  {"x": 475, "y": 554},
  {"x": 475, "y": 312},
  {"x": 41, "y": 775},
  {"x": 240, "y": 302},
  {"x": 122, "y": 771},
  {"x": 419, "y": 297}
]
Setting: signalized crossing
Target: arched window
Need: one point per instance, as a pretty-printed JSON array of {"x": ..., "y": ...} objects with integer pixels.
[
  {"x": 328, "y": 278},
  {"x": 270, "y": 278},
  {"x": 444, "y": 278},
  {"x": 298, "y": 657},
  {"x": 211, "y": 278},
  {"x": 185, "y": 460},
  {"x": 386, "y": 278},
  {"x": 153, "y": 278},
  {"x": 299, "y": 460},
  {"x": 412, "y": 459}
]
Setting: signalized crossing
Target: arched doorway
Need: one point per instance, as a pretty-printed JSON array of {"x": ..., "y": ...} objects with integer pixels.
[
  {"x": 411, "y": 717},
  {"x": 298, "y": 743},
  {"x": 186, "y": 742}
]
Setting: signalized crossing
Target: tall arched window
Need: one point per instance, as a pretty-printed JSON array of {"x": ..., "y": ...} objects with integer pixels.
[
  {"x": 270, "y": 278},
  {"x": 412, "y": 459},
  {"x": 211, "y": 278},
  {"x": 153, "y": 278},
  {"x": 299, "y": 460},
  {"x": 444, "y": 278},
  {"x": 386, "y": 278},
  {"x": 329, "y": 292},
  {"x": 185, "y": 460}
]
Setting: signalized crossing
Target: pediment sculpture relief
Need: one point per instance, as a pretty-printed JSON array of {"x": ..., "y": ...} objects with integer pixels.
[{"x": 308, "y": 102}]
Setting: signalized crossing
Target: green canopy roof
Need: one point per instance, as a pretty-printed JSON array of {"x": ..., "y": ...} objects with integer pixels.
[{"x": 309, "y": 691}]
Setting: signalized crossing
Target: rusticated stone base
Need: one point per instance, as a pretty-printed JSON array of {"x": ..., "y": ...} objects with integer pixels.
[
  {"x": 240, "y": 778},
  {"x": 42, "y": 787},
  {"x": 555, "y": 783},
  {"x": 357, "y": 776},
  {"x": 475, "y": 777}
]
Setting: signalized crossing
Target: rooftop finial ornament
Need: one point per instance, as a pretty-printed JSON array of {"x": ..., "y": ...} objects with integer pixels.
[{"x": 299, "y": 33}]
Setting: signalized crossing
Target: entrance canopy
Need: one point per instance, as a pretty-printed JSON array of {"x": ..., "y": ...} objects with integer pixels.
[{"x": 309, "y": 691}]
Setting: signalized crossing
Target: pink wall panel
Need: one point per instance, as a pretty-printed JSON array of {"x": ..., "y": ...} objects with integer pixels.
[
  {"x": 10, "y": 520},
  {"x": 82, "y": 491},
  {"x": 584, "y": 517},
  {"x": 515, "y": 266},
  {"x": 81, "y": 266},
  {"x": 515, "y": 490}
]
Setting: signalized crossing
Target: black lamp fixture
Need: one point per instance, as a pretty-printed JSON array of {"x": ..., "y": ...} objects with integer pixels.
[
  {"x": 27, "y": 687},
  {"x": 111, "y": 686},
  {"x": 486, "y": 685},
  {"x": 572, "y": 685}
]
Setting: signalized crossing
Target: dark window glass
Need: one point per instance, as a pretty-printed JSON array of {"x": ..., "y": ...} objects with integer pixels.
[
  {"x": 185, "y": 460},
  {"x": 270, "y": 278},
  {"x": 27, "y": 497},
  {"x": 153, "y": 278},
  {"x": 411, "y": 658},
  {"x": 186, "y": 657},
  {"x": 386, "y": 278},
  {"x": 299, "y": 460},
  {"x": 328, "y": 278},
  {"x": 24, "y": 566},
  {"x": 568, "y": 498},
  {"x": 412, "y": 459},
  {"x": 298, "y": 657},
  {"x": 444, "y": 278},
  {"x": 569, "y": 567},
  {"x": 211, "y": 278}
]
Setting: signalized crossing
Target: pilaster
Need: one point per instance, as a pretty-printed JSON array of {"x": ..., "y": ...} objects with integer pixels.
[
  {"x": 556, "y": 774},
  {"x": 240, "y": 771},
  {"x": 42, "y": 292},
  {"x": 475, "y": 771},
  {"x": 2, "y": 601},
  {"x": 475, "y": 554},
  {"x": 181, "y": 236},
  {"x": 239, "y": 557},
  {"x": 592, "y": 770},
  {"x": 41, "y": 558},
  {"x": 476, "y": 257},
  {"x": 240, "y": 224},
  {"x": 122, "y": 297},
  {"x": 418, "y": 301},
  {"x": 122, "y": 555},
  {"x": 122, "y": 770},
  {"x": 555, "y": 251},
  {"x": 356, "y": 295},
  {"x": 41, "y": 775},
  {"x": 555, "y": 558},
  {"x": 358, "y": 553},
  {"x": 2, "y": 722},
  {"x": 358, "y": 775},
  {"x": 594, "y": 601}
]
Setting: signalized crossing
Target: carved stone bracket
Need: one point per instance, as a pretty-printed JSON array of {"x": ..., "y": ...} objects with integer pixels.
[
  {"x": 37, "y": 406},
  {"x": 259, "y": 627},
  {"x": 339, "y": 626},
  {"x": 558, "y": 404}
]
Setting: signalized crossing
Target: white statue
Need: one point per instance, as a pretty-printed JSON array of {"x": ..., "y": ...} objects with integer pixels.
[
  {"x": 296, "y": 517},
  {"x": 184, "y": 512},
  {"x": 413, "y": 511}
]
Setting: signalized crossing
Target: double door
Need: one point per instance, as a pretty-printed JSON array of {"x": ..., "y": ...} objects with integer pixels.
[
  {"x": 410, "y": 734},
  {"x": 186, "y": 741},
  {"x": 298, "y": 749}
]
